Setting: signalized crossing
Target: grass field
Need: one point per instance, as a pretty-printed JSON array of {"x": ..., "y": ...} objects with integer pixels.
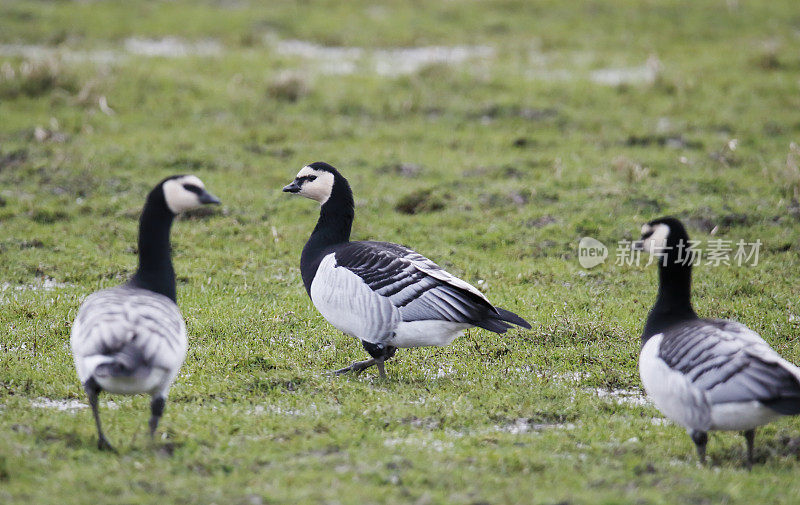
[{"x": 490, "y": 136}]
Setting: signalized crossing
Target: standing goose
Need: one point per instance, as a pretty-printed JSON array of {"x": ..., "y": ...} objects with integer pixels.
[
  {"x": 706, "y": 374},
  {"x": 384, "y": 294},
  {"x": 131, "y": 339}
]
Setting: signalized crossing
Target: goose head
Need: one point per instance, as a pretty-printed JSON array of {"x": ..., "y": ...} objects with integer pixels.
[
  {"x": 315, "y": 181},
  {"x": 663, "y": 236},
  {"x": 185, "y": 192}
]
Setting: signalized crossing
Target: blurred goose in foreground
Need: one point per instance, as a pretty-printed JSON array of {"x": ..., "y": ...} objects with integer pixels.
[
  {"x": 132, "y": 339},
  {"x": 706, "y": 374},
  {"x": 384, "y": 294}
]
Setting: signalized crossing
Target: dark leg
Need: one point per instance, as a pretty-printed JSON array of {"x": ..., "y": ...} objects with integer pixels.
[
  {"x": 156, "y": 411},
  {"x": 379, "y": 353},
  {"x": 92, "y": 391},
  {"x": 700, "y": 439},
  {"x": 357, "y": 367},
  {"x": 750, "y": 437},
  {"x": 381, "y": 369}
]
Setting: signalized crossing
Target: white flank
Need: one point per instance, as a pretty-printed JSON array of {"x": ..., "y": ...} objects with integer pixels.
[
  {"x": 671, "y": 391},
  {"x": 346, "y": 302},
  {"x": 425, "y": 333}
]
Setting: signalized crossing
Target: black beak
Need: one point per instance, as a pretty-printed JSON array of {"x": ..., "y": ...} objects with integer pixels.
[
  {"x": 638, "y": 245},
  {"x": 206, "y": 197},
  {"x": 293, "y": 187}
]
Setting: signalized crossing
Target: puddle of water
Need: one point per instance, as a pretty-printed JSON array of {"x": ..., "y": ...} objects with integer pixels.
[
  {"x": 172, "y": 47},
  {"x": 523, "y": 425},
  {"x": 60, "y": 405},
  {"x": 342, "y": 60},
  {"x": 565, "y": 376},
  {"x": 43, "y": 284},
  {"x": 167, "y": 47},
  {"x": 68, "y": 405},
  {"x": 330, "y": 60},
  {"x": 274, "y": 409},
  {"x": 621, "y": 396},
  {"x": 644, "y": 74},
  {"x": 310, "y": 410},
  {"x": 385, "y": 62},
  {"x": 410, "y": 60},
  {"x": 441, "y": 372},
  {"x": 37, "y": 52}
]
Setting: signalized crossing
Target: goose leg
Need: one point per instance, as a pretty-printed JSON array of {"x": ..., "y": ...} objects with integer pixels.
[
  {"x": 357, "y": 367},
  {"x": 93, "y": 391},
  {"x": 700, "y": 439},
  {"x": 380, "y": 353},
  {"x": 156, "y": 411},
  {"x": 750, "y": 436}
]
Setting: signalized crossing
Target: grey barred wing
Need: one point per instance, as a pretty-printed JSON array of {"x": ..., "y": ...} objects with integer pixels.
[
  {"x": 139, "y": 320},
  {"x": 731, "y": 363},
  {"x": 416, "y": 286}
]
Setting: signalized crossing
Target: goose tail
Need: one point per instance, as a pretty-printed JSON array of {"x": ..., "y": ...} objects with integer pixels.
[
  {"x": 124, "y": 363},
  {"x": 499, "y": 322}
]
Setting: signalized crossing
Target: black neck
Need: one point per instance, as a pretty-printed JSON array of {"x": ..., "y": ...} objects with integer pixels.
[
  {"x": 333, "y": 227},
  {"x": 674, "y": 303},
  {"x": 155, "y": 270}
]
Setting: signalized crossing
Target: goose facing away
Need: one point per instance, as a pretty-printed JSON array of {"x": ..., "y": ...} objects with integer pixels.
[
  {"x": 386, "y": 295},
  {"x": 706, "y": 374},
  {"x": 131, "y": 339}
]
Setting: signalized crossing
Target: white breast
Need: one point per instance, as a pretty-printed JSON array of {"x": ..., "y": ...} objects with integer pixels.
[
  {"x": 346, "y": 302},
  {"x": 350, "y": 305},
  {"x": 674, "y": 395}
]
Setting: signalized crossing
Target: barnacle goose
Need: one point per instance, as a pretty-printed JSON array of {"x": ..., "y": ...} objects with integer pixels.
[
  {"x": 706, "y": 374},
  {"x": 131, "y": 339},
  {"x": 384, "y": 294}
]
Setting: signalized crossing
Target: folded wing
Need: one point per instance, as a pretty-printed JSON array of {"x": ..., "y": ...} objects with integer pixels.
[
  {"x": 128, "y": 328},
  {"x": 419, "y": 289},
  {"x": 731, "y": 363}
]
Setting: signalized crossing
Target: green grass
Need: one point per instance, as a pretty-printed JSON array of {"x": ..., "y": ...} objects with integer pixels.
[{"x": 514, "y": 157}]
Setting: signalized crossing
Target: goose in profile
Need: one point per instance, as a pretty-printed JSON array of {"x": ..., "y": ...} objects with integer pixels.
[
  {"x": 386, "y": 295},
  {"x": 706, "y": 374},
  {"x": 131, "y": 339}
]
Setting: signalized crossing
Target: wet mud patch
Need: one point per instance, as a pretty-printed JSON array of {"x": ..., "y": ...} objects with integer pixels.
[
  {"x": 409, "y": 170},
  {"x": 670, "y": 141},
  {"x": 421, "y": 201}
]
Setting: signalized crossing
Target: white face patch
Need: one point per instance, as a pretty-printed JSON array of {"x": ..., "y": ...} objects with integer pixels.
[
  {"x": 317, "y": 185},
  {"x": 657, "y": 241},
  {"x": 180, "y": 199}
]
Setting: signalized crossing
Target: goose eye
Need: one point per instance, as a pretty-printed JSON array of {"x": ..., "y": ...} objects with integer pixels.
[
  {"x": 647, "y": 235},
  {"x": 311, "y": 178}
]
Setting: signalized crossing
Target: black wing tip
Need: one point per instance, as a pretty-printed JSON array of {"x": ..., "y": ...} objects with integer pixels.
[
  {"x": 493, "y": 325},
  {"x": 510, "y": 317},
  {"x": 784, "y": 406},
  {"x": 499, "y": 322}
]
